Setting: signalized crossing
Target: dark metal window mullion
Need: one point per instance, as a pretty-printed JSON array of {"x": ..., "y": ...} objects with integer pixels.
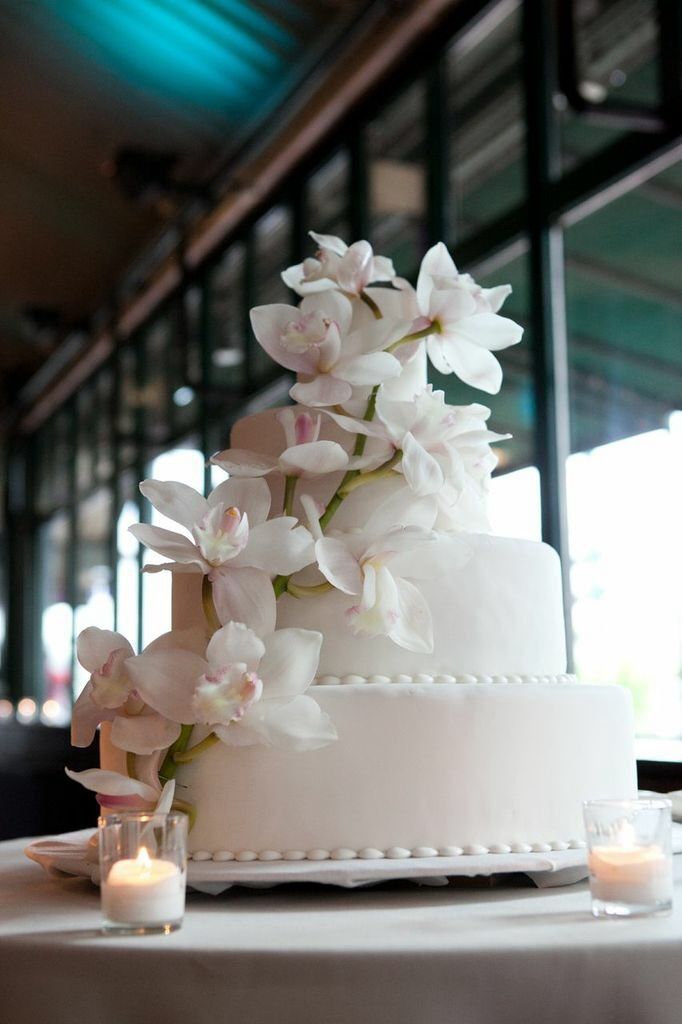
[
  {"x": 438, "y": 221},
  {"x": 73, "y": 532},
  {"x": 359, "y": 178},
  {"x": 547, "y": 308},
  {"x": 248, "y": 301}
]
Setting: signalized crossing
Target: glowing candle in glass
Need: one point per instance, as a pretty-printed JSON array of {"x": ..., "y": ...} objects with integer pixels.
[
  {"x": 629, "y": 856},
  {"x": 143, "y": 871}
]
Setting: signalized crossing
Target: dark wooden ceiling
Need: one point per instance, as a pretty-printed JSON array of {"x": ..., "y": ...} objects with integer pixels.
[{"x": 81, "y": 79}]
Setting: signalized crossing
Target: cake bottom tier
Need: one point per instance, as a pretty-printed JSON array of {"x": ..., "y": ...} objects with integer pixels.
[{"x": 420, "y": 769}]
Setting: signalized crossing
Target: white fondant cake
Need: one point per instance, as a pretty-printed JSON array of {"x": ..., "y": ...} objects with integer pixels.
[{"x": 356, "y": 667}]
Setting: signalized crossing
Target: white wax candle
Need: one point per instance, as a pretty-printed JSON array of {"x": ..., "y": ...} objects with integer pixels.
[
  {"x": 143, "y": 891},
  {"x": 634, "y": 875}
]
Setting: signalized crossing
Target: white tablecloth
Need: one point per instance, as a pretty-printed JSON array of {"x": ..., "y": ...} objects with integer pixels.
[{"x": 307, "y": 955}]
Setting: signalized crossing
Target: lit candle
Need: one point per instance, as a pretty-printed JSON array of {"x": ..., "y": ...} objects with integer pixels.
[
  {"x": 143, "y": 891},
  {"x": 628, "y": 872}
]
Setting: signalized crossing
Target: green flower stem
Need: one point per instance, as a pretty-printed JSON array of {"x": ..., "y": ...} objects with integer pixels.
[
  {"x": 169, "y": 767},
  {"x": 207, "y": 603},
  {"x": 130, "y": 765},
  {"x": 184, "y": 757},
  {"x": 279, "y": 585},
  {"x": 296, "y": 590},
  {"x": 433, "y": 328},
  {"x": 289, "y": 492},
  {"x": 188, "y": 809},
  {"x": 367, "y": 478},
  {"x": 369, "y": 301}
]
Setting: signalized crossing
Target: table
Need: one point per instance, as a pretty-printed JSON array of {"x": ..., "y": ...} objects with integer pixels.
[{"x": 303, "y": 955}]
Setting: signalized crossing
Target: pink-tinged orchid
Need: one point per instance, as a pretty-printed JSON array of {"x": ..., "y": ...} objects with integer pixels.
[
  {"x": 230, "y": 540},
  {"x": 119, "y": 792},
  {"x": 380, "y": 564},
  {"x": 445, "y": 451},
  {"x": 110, "y": 694},
  {"x": 316, "y": 342},
  {"x": 304, "y": 456},
  {"x": 351, "y": 268},
  {"x": 467, "y": 327},
  {"x": 246, "y": 690}
]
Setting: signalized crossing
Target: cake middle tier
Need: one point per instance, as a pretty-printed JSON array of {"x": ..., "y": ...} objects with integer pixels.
[{"x": 500, "y": 613}]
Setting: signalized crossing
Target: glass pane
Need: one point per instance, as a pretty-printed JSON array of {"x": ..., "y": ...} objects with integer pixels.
[
  {"x": 625, "y": 476},
  {"x": 94, "y": 603},
  {"x": 617, "y": 48},
  {"x": 127, "y": 561},
  {"x": 158, "y": 361},
  {"x": 327, "y": 199},
  {"x": 486, "y": 121},
  {"x": 226, "y": 342},
  {"x": 396, "y": 145},
  {"x": 56, "y": 615},
  {"x": 86, "y": 411},
  {"x": 128, "y": 406},
  {"x": 271, "y": 253},
  {"x": 104, "y": 455}
]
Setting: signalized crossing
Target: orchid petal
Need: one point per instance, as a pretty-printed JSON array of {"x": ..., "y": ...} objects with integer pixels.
[
  {"x": 250, "y": 496},
  {"x": 338, "y": 566},
  {"x": 86, "y": 716},
  {"x": 495, "y": 296},
  {"x": 290, "y": 662},
  {"x": 269, "y": 323},
  {"x": 165, "y": 801},
  {"x": 169, "y": 544},
  {"x": 436, "y": 262},
  {"x": 313, "y": 458},
  {"x": 472, "y": 364},
  {"x": 143, "y": 734},
  {"x": 490, "y": 330},
  {"x": 373, "y": 368},
  {"x": 399, "y": 509},
  {"x": 300, "y": 724},
  {"x": 175, "y": 500},
  {"x": 323, "y": 390},
  {"x": 238, "y": 462},
  {"x": 108, "y": 783},
  {"x": 420, "y": 469},
  {"x": 166, "y": 680},
  {"x": 331, "y": 242},
  {"x": 279, "y": 547},
  {"x": 413, "y": 628},
  {"x": 94, "y": 647},
  {"x": 245, "y": 595},
  {"x": 234, "y": 643},
  {"x": 295, "y": 278}
]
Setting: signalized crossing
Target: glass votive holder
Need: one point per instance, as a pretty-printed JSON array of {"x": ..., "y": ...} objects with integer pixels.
[
  {"x": 629, "y": 856},
  {"x": 143, "y": 871}
]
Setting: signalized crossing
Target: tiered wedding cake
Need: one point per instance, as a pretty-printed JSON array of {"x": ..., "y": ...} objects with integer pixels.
[{"x": 357, "y": 668}]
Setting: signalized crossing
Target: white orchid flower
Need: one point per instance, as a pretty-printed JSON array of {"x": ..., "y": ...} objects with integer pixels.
[
  {"x": 380, "y": 564},
  {"x": 304, "y": 456},
  {"x": 247, "y": 690},
  {"x": 445, "y": 450},
  {"x": 110, "y": 695},
  {"x": 316, "y": 342},
  {"x": 467, "y": 327},
  {"x": 121, "y": 792},
  {"x": 230, "y": 540},
  {"x": 349, "y": 268}
]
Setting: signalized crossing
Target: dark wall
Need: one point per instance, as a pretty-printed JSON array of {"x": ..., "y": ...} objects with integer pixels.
[{"x": 36, "y": 797}]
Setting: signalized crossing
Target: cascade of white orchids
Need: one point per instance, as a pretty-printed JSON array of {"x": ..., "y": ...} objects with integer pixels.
[{"x": 356, "y": 342}]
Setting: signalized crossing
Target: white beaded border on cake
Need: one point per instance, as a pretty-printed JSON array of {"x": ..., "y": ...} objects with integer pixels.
[
  {"x": 392, "y": 853},
  {"x": 562, "y": 678}
]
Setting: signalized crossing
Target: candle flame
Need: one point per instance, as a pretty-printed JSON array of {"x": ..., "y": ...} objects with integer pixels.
[{"x": 144, "y": 861}]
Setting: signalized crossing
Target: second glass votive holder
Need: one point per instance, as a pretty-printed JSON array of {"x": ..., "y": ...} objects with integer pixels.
[
  {"x": 629, "y": 856},
  {"x": 143, "y": 872}
]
